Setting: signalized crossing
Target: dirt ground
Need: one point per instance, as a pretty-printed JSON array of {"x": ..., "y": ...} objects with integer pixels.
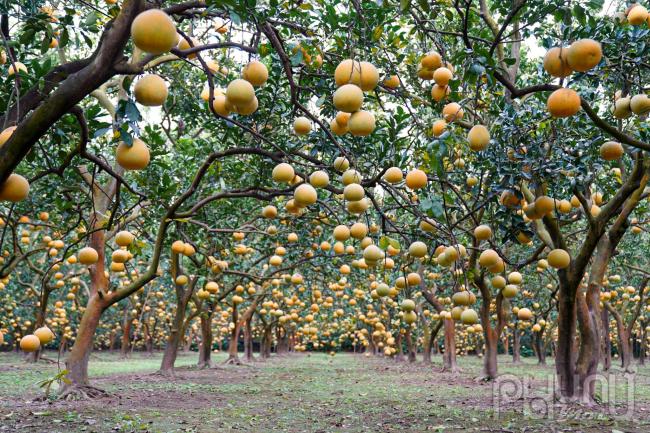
[{"x": 312, "y": 393}]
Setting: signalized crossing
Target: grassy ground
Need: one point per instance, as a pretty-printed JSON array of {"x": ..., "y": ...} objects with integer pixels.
[{"x": 302, "y": 393}]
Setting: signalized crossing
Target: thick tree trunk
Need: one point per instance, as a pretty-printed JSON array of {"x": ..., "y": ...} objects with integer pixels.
[
  {"x": 643, "y": 344},
  {"x": 205, "y": 348},
  {"x": 248, "y": 340},
  {"x": 606, "y": 357},
  {"x": 174, "y": 339},
  {"x": 565, "y": 357},
  {"x": 516, "y": 345},
  {"x": 449, "y": 356},
  {"x": 77, "y": 361},
  {"x": 126, "y": 333},
  {"x": 410, "y": 346},
  {"x": 540, "y": 350},
  {"x": 266, "y": 342}
]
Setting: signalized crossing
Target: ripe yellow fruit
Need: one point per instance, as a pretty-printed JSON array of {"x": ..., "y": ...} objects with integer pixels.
[
  {"x": 358, "y": 230},
  {"x": 240, "y": 92},
  {"x": 153, "y": 31},
  {"x": 563, "y": 103},
  {"x": 498, "y": 282},
  {"x": 637, "y": 15},
  {"x": 221, "y": 105},
  {"x": 559, "y": 259},
  {"x": 509, "y": 291},
  {"x": 337, "y": 128},
  {"x": 418, "y": 249},
  {"x": 622, "y": 109},
  {"x": 151, "y": 90},
  {"x": 438, "y": 127},
  {"x": 432, "y": 60},
  {"x": 319, "y": 179},
  {"x": 361, "y": 123},
  {"x": 30, "y": 343},
  {"x": 407, "y": 305},
  {"x": 134, "y": 157},
  {"x": 178, "y": 247},
  {"x": 6, "y": 134},
  {"x": 183, "y": 45},
  {"x": 544, "y": 205},
  {"x": 372, "y": 254},
  {"x": 392, "y": 82},
  {"x": 584, "y": 54},
  {"x": 124, "y": 238},
  {"x": 341, "y": 233},
  {"x": 469, "y": 317},
  {"x": 353, "y": 192},
  {"x": 269, "y": 211},
  {"x": 482, "y": 232},
  {"x": 425, "y": 73},
  {"x": 410, "y": 317},
  {"x": 14, "y": 189},
  {"x": 181, "y": 280},
  {"x": 348, "y": 98},
  {"x": 524, "y": 314},
  {"x": 416, "y": 179},
  {"x": 88, "y": 256},
  {"x": 120, "y": 256},
  {"x": 247, "y": 109},
  {"x": 393, "y": 175},
  {"x": 302, "y": 126},
  {"x": 305, "y": 195},
  {"x": 255, "y": 73},
  {"x": 564, "y": 206},
  {"x": 44, "y": 335},
  {"x": 478, "y": 138},
  {"x": 348, "y": 71},
  {"x": 283, "y": 172},
  {"x": 442, "y": 76},
  {"x": 640, "y": 104},
  {"x": 341, "y": 163},
  {"x": 515, "y": 278},
  {"x": 488, "y": 258},
  {"x": 555, "y": 62},
  {"x": 369, "y": 76},
  {"x": 438, "y": 93},
  {"x": 16, "y": 67},
  {"x": 452, "y": 111},
  {"x": 351, "y": 176},
  {"x": 342, "y": 118},
  {"x": 611, "y": 150}
]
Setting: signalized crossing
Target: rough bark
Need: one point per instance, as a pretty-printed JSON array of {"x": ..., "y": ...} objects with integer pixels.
[
  {"x": 205, "y": 348},
  {"x": 516, "y": 346}
]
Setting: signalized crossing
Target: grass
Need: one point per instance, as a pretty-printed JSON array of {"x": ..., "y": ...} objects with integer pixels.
[{"x": 299, "y": 393}]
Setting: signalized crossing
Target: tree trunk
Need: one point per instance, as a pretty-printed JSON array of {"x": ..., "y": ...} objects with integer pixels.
[
  {"x": 233, "y": 354},
  {"x": 540, "y": 350},
  {"x": 248, "y": 340},
  {"x": 174, "y": 339},
  {"x": 643, "y": 344},
  {"x": 77, "y": 361},
  {"x": 449, "y": 356},
  {"x": 126, "y": 333},
  {"x": 205, "y": 348},
  {"x": 410, "y": 346},
  {"x": 516, "y": 345},
  {"x": 565, "y": 357},
  {"x": 606, "y": 357}
]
